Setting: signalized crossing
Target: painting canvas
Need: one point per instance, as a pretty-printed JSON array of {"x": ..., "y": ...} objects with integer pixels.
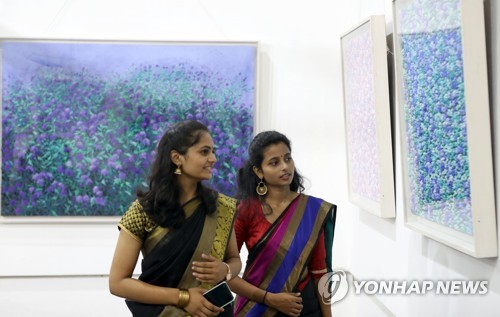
[
  {"x": 445, "y": 124},
  {"x": 368, "y": 117},
  {"x": 81, "y": 119}
]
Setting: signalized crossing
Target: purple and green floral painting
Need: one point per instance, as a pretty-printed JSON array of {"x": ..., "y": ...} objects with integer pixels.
[
  {"x": 434, "y": 110},
  {"x": 361, "y": 121},
  {"x": 81, "y": 121}
]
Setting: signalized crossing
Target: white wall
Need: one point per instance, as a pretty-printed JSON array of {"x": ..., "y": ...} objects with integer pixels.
[{"x": 300, "y": 95}]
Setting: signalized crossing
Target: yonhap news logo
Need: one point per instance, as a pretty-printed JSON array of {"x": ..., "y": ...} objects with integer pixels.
[{"x": 334, "y": 286}]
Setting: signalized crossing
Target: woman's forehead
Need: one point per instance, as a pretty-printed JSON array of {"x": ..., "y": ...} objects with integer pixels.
[
  {"x": 276, "y": 150},
  {"x": 205, "y": 140}
]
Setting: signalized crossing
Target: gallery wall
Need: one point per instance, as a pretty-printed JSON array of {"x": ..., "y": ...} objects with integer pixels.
[
  {"x": 61, "y": 268},
  {"x": 387, "y": 250}
]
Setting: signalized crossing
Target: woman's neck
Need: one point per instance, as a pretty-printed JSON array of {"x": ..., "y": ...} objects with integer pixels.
[
  {"x": 278, "y": 196},
  {"x": 187, "y": 190},
  {"x": 276, "y": 201}
]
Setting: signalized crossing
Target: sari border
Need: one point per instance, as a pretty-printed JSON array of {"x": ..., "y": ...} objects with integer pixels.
[
  {"x": 296, "y": 258},
  {"x": 269, "y": 231},
  {"x": 328, "y": 207},
  {"x": 306, "y": 254},
  {"x": 273, "y": 262},
  {"x": 204, "y": 244},
  {"x": 268, "y": 259},
  {"x": 213, "y": 230},
  {"x": 157, "y": 233}
]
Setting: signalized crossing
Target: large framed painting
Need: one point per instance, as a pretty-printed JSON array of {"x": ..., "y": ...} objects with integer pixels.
[
  {"x": 447, "y": 167},
  {"x": 367, "y": 114},
  {"x": 81, "y": 119}
]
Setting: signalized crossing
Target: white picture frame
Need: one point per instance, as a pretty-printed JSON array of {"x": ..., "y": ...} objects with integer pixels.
[
  {"x": 367, "y": 114},
  {"x": 442, "y": 88}
]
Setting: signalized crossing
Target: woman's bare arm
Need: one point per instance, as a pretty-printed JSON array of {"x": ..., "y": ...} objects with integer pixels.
[
  {"x": 232, "y": 257},
  {"x": 123, "y": 285}
]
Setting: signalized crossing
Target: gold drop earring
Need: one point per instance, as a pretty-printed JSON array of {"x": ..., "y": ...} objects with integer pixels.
[{"x": 178, "y": 170}]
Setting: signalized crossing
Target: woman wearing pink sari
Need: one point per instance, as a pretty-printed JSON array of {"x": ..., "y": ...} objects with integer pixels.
[{"x": 289, "y": 235}]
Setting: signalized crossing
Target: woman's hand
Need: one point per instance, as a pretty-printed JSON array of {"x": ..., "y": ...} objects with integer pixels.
[
  {"x": 199, "y": 306},
  {"x": 210, "y": 271},
  {"x": 287, "y": 303}
]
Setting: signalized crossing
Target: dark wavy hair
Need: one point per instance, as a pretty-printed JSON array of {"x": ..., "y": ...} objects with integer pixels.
[
  {"x": 247, "y": 180},
  {"x": 161, "y": 201}
]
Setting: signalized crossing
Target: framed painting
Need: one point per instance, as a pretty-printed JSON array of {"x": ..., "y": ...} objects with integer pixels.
[
  {"x": 81, "y": 119},
  {"x": 367, "y": 114},
  {"x": 447, "y": 167}
]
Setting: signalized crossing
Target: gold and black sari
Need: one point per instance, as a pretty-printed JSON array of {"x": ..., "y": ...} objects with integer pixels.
[{"x": 168, "y": 253}]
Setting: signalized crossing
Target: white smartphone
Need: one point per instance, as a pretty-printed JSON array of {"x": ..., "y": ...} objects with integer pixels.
[{"x": 220, "y": 295}]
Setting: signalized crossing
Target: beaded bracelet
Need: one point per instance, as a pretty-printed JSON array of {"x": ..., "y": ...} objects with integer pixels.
[{"x": 183, "y": 298}]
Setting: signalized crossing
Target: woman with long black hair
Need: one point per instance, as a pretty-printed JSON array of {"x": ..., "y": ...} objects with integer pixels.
[
  {"x": 289, "y": 235},
  {"x": 184, "y": 230}
]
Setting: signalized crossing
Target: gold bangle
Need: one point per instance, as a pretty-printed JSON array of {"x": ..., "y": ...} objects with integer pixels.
[{"x": 183, "y": 298}]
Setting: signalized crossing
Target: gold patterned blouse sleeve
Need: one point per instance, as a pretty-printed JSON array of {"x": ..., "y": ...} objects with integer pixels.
[{"x": 135, "y": 222}]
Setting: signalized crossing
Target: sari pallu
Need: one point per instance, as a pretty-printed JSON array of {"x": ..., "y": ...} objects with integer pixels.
[
  {"x": 278, "y": 262},
  {"x": 168, "y": 254}
]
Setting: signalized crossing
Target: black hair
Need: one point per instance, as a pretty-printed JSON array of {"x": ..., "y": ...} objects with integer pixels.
[
  {"x": 161, "y": 201},
  {"x": 247, "y": 180}
]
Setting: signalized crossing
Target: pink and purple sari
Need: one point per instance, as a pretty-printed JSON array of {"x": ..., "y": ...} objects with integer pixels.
[{"x": 278, "y": 262}]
